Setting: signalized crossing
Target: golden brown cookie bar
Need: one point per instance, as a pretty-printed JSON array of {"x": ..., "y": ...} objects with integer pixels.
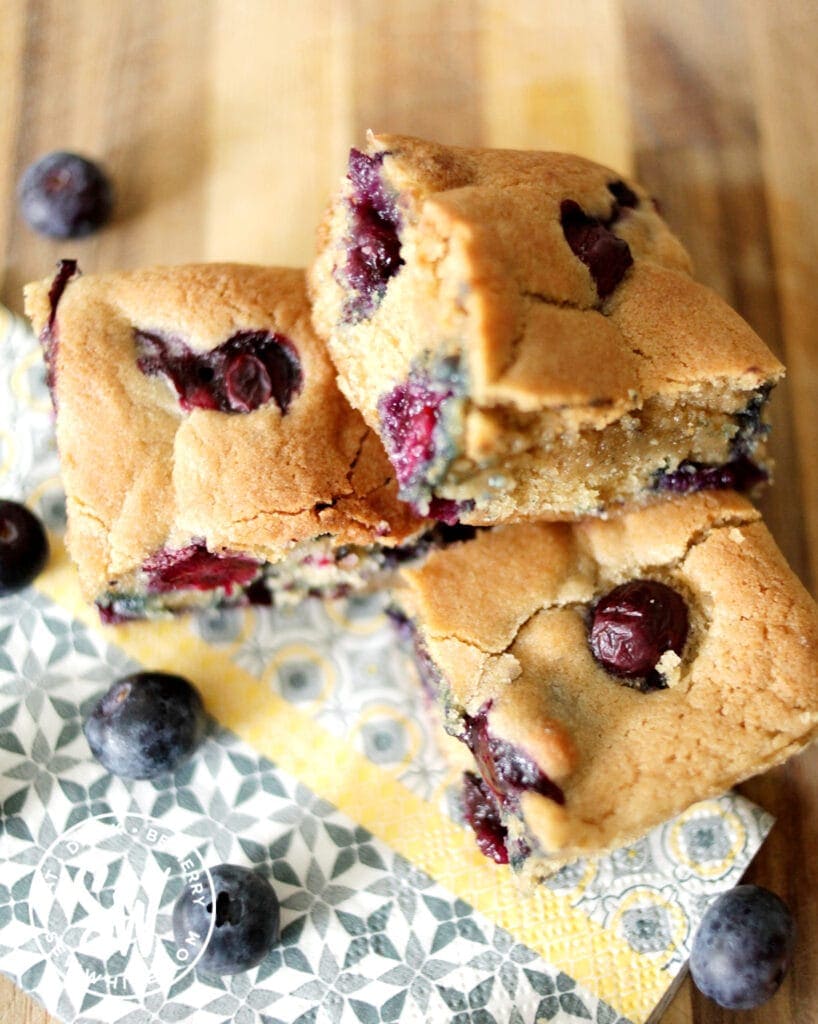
[
  {"x": 607, "y": 674},
  {"x": 206, "y": 451},
  {"x": 523, "y": 331}
]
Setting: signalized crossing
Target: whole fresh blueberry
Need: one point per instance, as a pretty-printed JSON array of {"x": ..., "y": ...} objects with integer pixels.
[
  {"x": 742, "y": 948},
  {"x": 23, "y": 547},
  {"x": 243, "y": 910},
  {"x": 634, "y": 625},
  {"x": 64, "y": 195},
  {"x": 146, "y": 724}
]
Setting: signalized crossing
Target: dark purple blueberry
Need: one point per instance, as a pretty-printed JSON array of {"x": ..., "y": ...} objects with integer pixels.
[
  {"x": 64, "y": 195},
  {"x": 240, "y": 375},
  {"x": 740, "y": 474},
  {"x": 373, "y": 246},
  {"x": 742, "y": 948},
  {"x": 624, "y": 196},
  {"x": 409, "y": 414},
  {"x": 447, "y": 511},
  {"x": 402, "y": 553},
  {"x": 243, "y": 910},
  {"x": 634, "y": 625},
  {"x": 247, "y": 382},
  {"x": 259, "y": 593},
  {"x": 195, "y": 568},
  {"x": 606, "y": 256},
  {"x": 23, "y": 547},
  {"x": 506, "y": 770},
  {"x": 441, "y": 535},
  {"x": 66, "y": 269},
  {"x": 482, "y": 813},
  {"x": 49, "y": 338},
  {"x": 453, "y": 533},
  {"x": 364, "y": 173},
  {"x": 146, "y": 724},
  {"x": 750, "y": 423}
]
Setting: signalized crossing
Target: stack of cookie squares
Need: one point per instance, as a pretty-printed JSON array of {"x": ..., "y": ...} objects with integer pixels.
[
  {"x": 620, "y": 637},
  {"x": 499, "y": 391}
]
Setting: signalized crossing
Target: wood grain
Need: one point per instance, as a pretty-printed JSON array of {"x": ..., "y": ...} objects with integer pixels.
[
  {"x": 18, "y": 1008},
  {"x": 554, "y": 77},
  {"x": 225, "y": 125}
]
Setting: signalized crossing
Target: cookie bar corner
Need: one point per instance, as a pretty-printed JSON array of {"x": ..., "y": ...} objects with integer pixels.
[
  {"x": 523, "y": 332},
  {"x": 207, "y": 454},
  {"x": 645, "y": 662}
]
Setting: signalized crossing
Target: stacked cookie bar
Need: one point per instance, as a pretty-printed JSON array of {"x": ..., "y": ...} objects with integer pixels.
[
  {"x": 606, "y": 674},
  {"x": 207, "y": 454},
  {"x": 538, "y": 431},
  {"x": 523, "y": 332}
]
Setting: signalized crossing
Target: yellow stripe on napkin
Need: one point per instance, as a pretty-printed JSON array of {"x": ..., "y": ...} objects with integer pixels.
[{"x": 374, "y": 798}]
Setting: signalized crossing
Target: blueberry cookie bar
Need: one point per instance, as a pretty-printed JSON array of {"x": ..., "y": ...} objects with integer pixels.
[
  {"x": 607, "y": 674},
  {"x": 523, "y": 332},
  {"x": 207, "y": 454}
]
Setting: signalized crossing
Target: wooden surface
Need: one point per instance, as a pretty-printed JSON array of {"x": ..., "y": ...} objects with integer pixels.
[{"x": 225, "y": 123}]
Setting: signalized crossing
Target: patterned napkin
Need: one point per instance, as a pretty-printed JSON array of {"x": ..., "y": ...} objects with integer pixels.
[{"x": 321, "y": 771}]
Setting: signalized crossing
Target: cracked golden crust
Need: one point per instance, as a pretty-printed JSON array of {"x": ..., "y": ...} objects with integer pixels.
[
  {"x": 489, "y": 277},
  {"x": 743, "y": 698},
  {"x": 141, "y": 474},
  {"x": 490, "y": 233}
]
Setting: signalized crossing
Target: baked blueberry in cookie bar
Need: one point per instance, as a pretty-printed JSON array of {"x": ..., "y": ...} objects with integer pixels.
[
  {"x": 607, "y": 674},
  {"x": 523, "y": 331},
  {"x": 207, "y": 454}
]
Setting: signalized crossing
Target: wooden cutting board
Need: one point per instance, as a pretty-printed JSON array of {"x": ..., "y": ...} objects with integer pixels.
[{"x": 225, "y": 124}]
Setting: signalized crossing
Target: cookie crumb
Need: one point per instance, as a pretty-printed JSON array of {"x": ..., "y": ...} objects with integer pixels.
[{"x": 668, "y": 668}]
